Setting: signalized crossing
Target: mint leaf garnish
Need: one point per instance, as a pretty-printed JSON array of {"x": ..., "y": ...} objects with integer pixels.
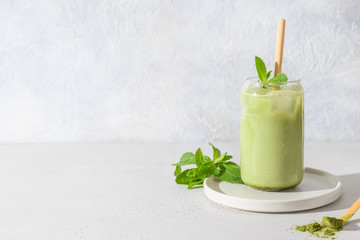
[
  {"x": 192, "y": 173},
  {"x": 261, "y": 69},
  {"x": 226, "y": 158},
  {"x": 264, "y": 76},
  {"x": 206, "y": 158},
  {"x": 206, "y": 167},
  {"x": 281, "y": 77},
  {"x": 268, "y": 74},
  {"x": 219, "y": 159},
  {"x": 206, "y": 170},
  {"x": 177, "y": 171},
  {"x": 217, "y": 152},
  {"x": 278, "y": 80},
  {"x": 183, "y": 178},
  {"x": 223, "y": 158},
  {"x": 194, "y": 183},
  {"x": 186, "y": 159},
  {"x": 229, "y": 172},
  {"x": 199, "y": 159}
]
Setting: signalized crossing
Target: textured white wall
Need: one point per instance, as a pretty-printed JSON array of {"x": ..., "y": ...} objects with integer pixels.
[{"x": 169, "y": 70}]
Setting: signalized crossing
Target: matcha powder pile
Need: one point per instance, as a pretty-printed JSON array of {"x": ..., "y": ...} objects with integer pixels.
[{"x": 325, "y": 229}]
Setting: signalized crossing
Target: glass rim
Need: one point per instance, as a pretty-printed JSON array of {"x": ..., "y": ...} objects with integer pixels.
[{"x": 256, "y": 80}]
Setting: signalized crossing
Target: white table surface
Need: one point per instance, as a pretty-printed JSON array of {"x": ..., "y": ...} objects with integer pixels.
[{"x": 127, "y": 191}]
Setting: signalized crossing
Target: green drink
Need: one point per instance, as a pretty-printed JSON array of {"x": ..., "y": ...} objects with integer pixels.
[{"x": 272, "y": 135}]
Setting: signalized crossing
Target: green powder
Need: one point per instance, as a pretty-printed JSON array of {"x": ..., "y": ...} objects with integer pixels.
[
  {"x": 311, "y": 228},
  {"x": 333, "y": 223},
  {"x": 325, "y": 229}
]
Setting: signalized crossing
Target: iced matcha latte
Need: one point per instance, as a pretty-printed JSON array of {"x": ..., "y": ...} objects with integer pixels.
[{"x": 272, "y": 135}]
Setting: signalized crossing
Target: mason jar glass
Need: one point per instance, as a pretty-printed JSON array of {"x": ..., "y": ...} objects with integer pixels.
[{"x": 272, "y": 134}]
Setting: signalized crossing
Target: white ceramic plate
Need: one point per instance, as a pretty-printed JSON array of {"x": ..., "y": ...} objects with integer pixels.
[{"x": 317, "y": 189}]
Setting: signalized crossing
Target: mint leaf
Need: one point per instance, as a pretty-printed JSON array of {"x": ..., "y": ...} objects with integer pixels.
[
  {"x": 206, "y": 167},
  {"x": 223, "y": 158},
  {"x": 281, "y": 77},
  {"x": 182, "y": 178},
  {"x": 219, "y": 159},
  {"x": 198, "y": 182},
  {"x": 206, "y": 170},
  {"x": 278, "y": 80},
  {"x": 268, "y": 75},
  {"x": 229, "y": 172},
  {"x": 217, "y": 152},
  {"x": 260, "y": 68},
  {"x": 188, "y": 176},
  {"x": 226, "y": 158},
  {"x": 186, "y": 159},
  {"x": 192, "y": 173},
  {"x": 206, "y": 158},
  {"x": 199, "y": 159},
  {"x": 177, "y": 171}
]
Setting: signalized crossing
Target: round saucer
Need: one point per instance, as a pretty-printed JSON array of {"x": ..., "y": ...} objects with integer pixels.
[{"x": 317, "y": 189}]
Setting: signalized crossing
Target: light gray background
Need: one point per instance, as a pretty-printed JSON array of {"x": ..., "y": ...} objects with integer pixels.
[{"x": 169, "y": 70}]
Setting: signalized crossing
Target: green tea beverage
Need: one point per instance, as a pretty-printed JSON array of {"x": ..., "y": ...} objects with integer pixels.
[{"x": 272, "y": 135}]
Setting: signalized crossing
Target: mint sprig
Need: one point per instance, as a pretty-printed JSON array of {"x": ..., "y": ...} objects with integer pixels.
[
  {"x": 264, "y": 75},
  {"x": 261, "y": 69},
  {"x": 219, "y": 166}
]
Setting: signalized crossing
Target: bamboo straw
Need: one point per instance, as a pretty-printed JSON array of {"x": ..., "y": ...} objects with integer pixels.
[
  {"x": 350, "y": 212},
  {"x": 279, "y": 48}
]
